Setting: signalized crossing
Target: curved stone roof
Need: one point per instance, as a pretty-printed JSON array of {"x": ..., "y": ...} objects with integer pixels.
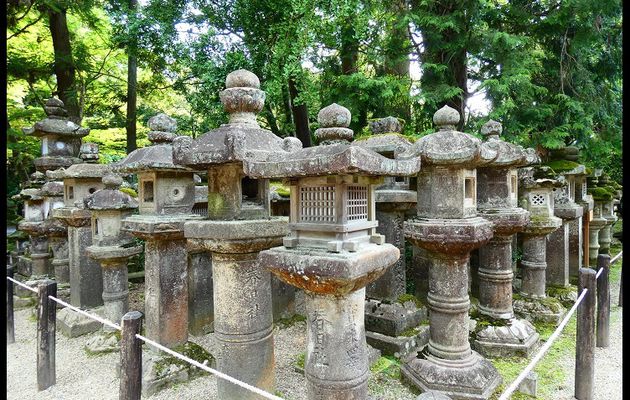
[
  {"x": 449, "y": 147},
  {"x": 56, "y": 122},
  {"x": 508, "y": 155},
  {"x": 110, "y": 197},
  {"x": 85, "y": 170},
  {"x": 52, "y": 189}
]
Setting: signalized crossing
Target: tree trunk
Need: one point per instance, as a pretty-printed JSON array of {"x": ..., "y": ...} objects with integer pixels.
[
  {"x": 349, "y": 49},
  {"x": 300, "y": 116},
  {"x": 271, "y": 120},
  {"x": 397, "y": 58},
  {"x": 132, "y": 80},
  {"x": 64, "y": 64}
]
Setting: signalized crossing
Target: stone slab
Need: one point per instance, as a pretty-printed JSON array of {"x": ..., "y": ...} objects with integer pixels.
[
  {"x": 72, "y": 324},
  {"x": 399, "y": 346},
  {"x": 392, "y": 318}
]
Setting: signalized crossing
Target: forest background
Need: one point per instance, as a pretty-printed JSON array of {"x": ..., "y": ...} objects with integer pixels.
[{"x": 550, "y": 70}]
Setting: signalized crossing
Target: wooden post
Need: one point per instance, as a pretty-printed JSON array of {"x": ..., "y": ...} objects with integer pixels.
[
  {"x": 603, "y": 301},
  {"x": 10, "y": 320},
  {"x": 46, "y": 324},
  {"x": 130, "y": 357},
  {"x": 585, "y": 337}
]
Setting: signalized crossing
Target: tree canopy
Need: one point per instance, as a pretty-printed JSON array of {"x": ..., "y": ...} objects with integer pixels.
[{"x": 550, "y": 69}]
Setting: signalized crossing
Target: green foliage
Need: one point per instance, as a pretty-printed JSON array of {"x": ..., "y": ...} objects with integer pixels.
[{"x": 287, "y": 322}]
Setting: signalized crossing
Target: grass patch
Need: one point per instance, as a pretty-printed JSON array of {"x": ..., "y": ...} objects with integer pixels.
[
  {"x": 300, "y": 360},
  {"x": 405, "y": 297},
  {"x": 388, "y": 366},
  {"x": 551, "y": 376},
  {"x": 190, "y": 350},
  {"x": 287, "y": 322}
]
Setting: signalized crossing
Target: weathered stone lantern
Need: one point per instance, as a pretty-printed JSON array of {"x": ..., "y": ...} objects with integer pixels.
[
  {"x": 60, "y": 138},
  {"x": 237, "y": 227},
  {"x": 497, "y": 201},
  {"x": 110, "y": 246},
  {"x": 600, "y": 196},
  {"x": 166, "y": 195},
  {"x": 32, "y": 211},
  {"x": 387, "y": 315},
  {"x": 448, "y": 228},
  {"x": 38, "y": 264},
  {"x": 537, "y": 197},
  {"x": 333, "y": 250},
  {"x": 608, "y": 214},
  {"x": 55, "y": 230},
  {"x": 86, "y": 278},
  {"x": 558, "y": 241}
]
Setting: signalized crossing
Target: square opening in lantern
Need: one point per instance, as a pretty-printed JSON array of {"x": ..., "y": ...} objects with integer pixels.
[
  {"x": 469, "y": 191},
  {"x": 147, "y": 191}
]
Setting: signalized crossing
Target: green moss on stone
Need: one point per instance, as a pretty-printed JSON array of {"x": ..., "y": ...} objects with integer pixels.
[
  {"x": 403, "y": 298},
  {"x": 190, "y": 350},
  {"x": 300, "y": 360},
  {"x": 129, "y": 191},
  {"x": 287, "y": 322},
  {"x": 600, "y": 193},
  {"x": 562, "y": 165}
]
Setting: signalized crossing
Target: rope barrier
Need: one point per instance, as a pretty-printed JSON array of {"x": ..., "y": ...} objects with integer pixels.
[
  {"x": 182, "y": 357},
  {"x": 616, "y": 257},
  {"x": 599, "y": 273},
  {"x": 543, "y": 349},
  {"x": 23, "y": 285},
  {"x": 94, "y": 317}
]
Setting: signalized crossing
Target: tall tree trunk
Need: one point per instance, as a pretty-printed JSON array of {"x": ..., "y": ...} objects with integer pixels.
[
  {"x": 397, "y": 57},
  {"x": 300, "y": 116},
  {"x": 349, "y": 49},
  {"x": 132, "y": 80},
  {"x": 64, "y": 64},
  {"x": 271, "y": 119}
]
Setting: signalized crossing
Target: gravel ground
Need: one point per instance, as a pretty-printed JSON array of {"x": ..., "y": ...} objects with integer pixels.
[
  {"x": 608, "y": 361},
  {"x": 82, "y": 377}
]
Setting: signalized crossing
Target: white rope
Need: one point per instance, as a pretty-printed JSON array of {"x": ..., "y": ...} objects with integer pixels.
[
  {"x": 95, "y": 317},
  {"x": 616, "y": 257},
  {"x": 197, "y": 364},
  {"x": 543, "y": 349},
  {"x": 599, "y": 273},
  {"x": 208, "y": 369},
  {"x": 23, "y": 285}
]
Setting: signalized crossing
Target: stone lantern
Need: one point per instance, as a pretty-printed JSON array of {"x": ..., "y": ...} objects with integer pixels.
[
  {"x": 55, "y": 230},
  {"x": 497, "y": 201},
  {"x": 568, "y": 202},
  {"x": 537, "y": 197},
  {"x": 60, "y": 138},
  {"x": 89, "y": 153},
  {"x": 608, "y": 214},
  {"x": 110, "y": 246},
  {"x": 448, "y": 228},
  {"x": 38, "y": 263},
  {"x": 166, "y": 196},
  {"x": 333, "y": 250},
  {"x": 238, "y": 225},
  {"x": 583, "y": 198},
  {"x": 86, "y": 279},
  {"x": 386, "y": 316},
  {"x": 32, "y": 201},
  {"x": 600, "y": 196}
]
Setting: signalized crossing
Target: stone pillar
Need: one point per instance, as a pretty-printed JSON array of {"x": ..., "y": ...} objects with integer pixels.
[
  {"x": 557, "y": 249},
  {"x": 336, "y": 365},
  {"x": 391, "y": 285},
  {"x": 40, "y": 256},
  {"x": 243, "y": 324},
  {"x": 495, "y": 277},
  {"x": 200, "y": 293},
  {"x": 534, "y": 265},
  {"x": 86, "y": 276},
  {"x": 576, "y": 244},
  {"x": 166, "y": 290},
  {"x": 115, "y": 289},
  {"x": 61, "y": 261},
  {"x": 596, "y": 224}
]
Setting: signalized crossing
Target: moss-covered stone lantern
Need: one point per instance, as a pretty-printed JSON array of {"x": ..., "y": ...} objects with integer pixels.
[
  {"x": 537, "y": 184},
  {"x": 238, "y": 225},
  {"x": 601, "y": 195},
  {"x": 388, "y": 312},
  {"x": 446, "y": 225},
  {"x": 497, "y": 201},
  {"x": 333, "y": 250},
  {"x": 166, "y": 196}
]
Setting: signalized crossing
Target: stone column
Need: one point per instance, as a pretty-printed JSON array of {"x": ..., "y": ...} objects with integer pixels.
[
  {"x": 495, "y": 277},
  {"x": 115, "y": 289},
  {"x": 200, "y": 293},
  {"x": 336, "y": 364},
  {"x": 534, "y": 265},
  {"x": 40, "y": 256},
  {"x": 166, "y": 290},
  {"x": 576, "y": 244},
  {"x": 605, "y": 237},
  {"x": 557, "y": 244},
  {"x": 391, "y": 285},
  {"x": 86, "y": 276},
  {"x": 243, "y": 324},
  {"x": 61, "y": 261},
  {"x": 596, "y": 224}
]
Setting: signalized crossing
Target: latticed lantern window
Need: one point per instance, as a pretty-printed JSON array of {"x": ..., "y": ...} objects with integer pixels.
[
  {"x": 538, "y": 199},
  {"x": 357, "y": 203},
  {"x": 317, "y": 204}
]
